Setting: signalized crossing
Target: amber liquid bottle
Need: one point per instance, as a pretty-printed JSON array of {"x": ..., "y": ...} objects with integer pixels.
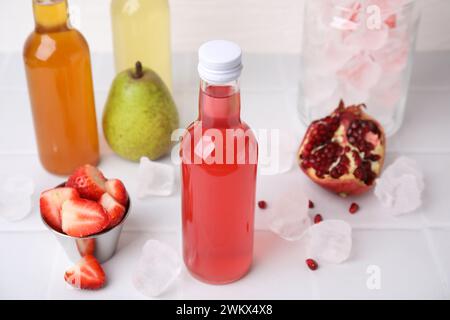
[{"x": 58, "y": 69}]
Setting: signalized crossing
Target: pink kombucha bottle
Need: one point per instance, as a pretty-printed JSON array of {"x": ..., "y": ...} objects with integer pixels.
[{"x": 219, "y": 164}]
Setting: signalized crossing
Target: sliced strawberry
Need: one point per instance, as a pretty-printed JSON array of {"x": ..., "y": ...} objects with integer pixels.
[
  {"x": 81, "y": 218},
  {"x": 89, "y": 182},
  {"x": 51, "y": 202},
  {"x": 86, "y": 274},
  {"x": 114, "y": 209},
  {"x": 86, "y": 246},
  {"x": 117, "y": 190}
]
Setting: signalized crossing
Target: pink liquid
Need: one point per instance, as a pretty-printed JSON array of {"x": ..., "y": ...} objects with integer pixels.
[{"x": 218, "y": 199}]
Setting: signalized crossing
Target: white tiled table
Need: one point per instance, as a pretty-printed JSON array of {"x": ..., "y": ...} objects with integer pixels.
[{"x": 412, "y": 252}]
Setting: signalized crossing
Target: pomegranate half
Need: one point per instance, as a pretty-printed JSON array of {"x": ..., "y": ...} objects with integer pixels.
[{"x": 344, "y": 152}]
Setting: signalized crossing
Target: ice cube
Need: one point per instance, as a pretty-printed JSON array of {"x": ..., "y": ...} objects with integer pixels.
[
  {"x": 345, "y": 15},
  {"x": 353, "y": 96},
  {"x": 388, "y": 91},
  {"x": 361, "y": 72},
  {"x": 288, "y": 146},
  {"x": 400, "y": 187},
  {"x": 321, "y": 110},
  {"x": 16, "y": 197},
  {"x": 388, "y": 6},
  {"x": 155, "y": 179},
  {"x": 393, "y": 58},
  {"x": 385, "y": 97},
  {"x": 343, "y": 24},
  {"x": 329, "y": 58},
  {"x": 368, "y": 39},
  {"x": 288, "y": 216},
  {"x": 158, "y": 267},
  {"x": 330, "y": 241},
  {"x": 15, "y": 207},
  {"x": 277, "y": 151},
  {"x": 18, "y": 184},
  {"x": 318, "y": 88}
]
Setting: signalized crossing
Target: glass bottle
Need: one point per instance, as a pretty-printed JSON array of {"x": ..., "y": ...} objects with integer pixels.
[
  {"x": 141, "y": 32},
  {"x": 219, "y": 163},
  {"x": 58, "y": 70}
]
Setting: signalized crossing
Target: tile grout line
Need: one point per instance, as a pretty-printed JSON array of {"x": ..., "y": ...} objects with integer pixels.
[
  {"x": 250, "y": 89},
  {"x": 431, "y": 244},
  {"x": 23, "y": 152},
  {"x": 439, "y": 226},
  {"x": 32, "y": 152},
  {"x": 53, "y": 270}
]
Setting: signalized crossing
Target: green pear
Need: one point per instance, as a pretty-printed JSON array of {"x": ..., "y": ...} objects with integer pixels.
[{"x": 140, "y": 115}]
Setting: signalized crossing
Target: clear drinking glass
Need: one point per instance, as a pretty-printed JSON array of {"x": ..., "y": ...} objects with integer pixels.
[{"x": 361, "y": 52}]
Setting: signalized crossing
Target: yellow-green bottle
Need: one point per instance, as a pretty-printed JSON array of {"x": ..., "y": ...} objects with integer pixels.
[{"x": 141, "y": 32}]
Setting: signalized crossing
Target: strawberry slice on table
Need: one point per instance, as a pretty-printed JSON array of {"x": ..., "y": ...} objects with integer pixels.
[
  {"x": 117, "y": 190},
  {"x": 81, "y": 218},
  {"x": 86, "y": 274},
  {"x": 89, "y": 182},
  {"x": 114, "y": 209},
  {"x": 51, "y": 202}
]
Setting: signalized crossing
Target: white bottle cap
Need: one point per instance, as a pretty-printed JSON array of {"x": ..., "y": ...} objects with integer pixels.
[{"x": 219, "y": 61}]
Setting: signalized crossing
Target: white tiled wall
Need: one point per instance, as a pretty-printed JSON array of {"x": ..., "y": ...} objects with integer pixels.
[{"x": 258, "y": 25}]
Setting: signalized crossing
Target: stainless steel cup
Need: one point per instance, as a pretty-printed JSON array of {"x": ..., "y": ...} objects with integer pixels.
[{"x": 102, "y": 245}]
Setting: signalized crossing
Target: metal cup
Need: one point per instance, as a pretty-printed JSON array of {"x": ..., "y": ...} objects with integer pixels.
[{"x": 101, "y": 245}]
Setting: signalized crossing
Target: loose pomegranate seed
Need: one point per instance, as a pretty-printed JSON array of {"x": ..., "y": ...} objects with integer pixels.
[
  {"x": 262, "y": 204},
  {"x": 318, "y": 218},
  {"x": 311, "y": 204},
  {"x": 353, "y": 208},
  {"x": 312, "y": 264}
]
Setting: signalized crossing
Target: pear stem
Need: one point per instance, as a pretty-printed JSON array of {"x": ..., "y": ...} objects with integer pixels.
[{"x": 139, "y": 72}]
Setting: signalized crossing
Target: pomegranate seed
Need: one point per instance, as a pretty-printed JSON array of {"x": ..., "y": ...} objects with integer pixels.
[
  {"x": 262, "y": 204},
  {"x": 311, "y": 204},
  {"x": 312, "y": 264},
  {"x": 353, "y": 208},
  {"x": 318, "y": 218}
]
